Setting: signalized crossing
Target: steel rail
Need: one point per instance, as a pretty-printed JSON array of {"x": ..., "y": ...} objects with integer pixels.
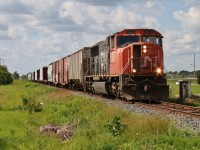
[{"x": 173, "y": 108}]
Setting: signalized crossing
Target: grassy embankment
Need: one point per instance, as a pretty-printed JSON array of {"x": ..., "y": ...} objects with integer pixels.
[
  {"x": 174, "y": 91},
  {"x": 19, "y": 128}
]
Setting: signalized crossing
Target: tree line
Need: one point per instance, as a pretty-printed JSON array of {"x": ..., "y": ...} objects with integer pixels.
[{"x": 184, "y": 74}]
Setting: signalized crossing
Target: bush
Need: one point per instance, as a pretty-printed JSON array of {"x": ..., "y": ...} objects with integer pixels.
[
  {"x": 114, "y": 126},
  {"x": 30, "y": 104},
  {"x": 5, "y": 76}
]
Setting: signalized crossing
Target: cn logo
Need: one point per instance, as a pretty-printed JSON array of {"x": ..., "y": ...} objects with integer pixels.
[{"x": 148, "y": 59}]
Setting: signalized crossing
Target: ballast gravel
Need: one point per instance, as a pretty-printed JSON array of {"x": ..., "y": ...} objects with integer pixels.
[{"x": 181, "y": 121}]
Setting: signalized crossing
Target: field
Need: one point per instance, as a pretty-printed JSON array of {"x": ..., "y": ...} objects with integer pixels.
[
  {"x": 97, "y": 126},
  {"x": 195, "y": 89}
]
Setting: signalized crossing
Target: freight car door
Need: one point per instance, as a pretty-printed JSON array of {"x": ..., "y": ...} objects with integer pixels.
[{"x": 137, "y": 57}]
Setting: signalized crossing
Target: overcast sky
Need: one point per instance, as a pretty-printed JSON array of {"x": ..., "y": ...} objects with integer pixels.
[{"x": 34, "y": 33}]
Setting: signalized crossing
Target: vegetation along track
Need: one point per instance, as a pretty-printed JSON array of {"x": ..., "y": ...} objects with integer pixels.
[
  {"x": 178, "y": 109},
  {"x": 172, "y": 108}
]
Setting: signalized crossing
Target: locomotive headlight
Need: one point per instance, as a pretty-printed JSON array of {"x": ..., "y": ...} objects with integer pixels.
[
  {"x": 144, "y": 49},
  {"x": 134, "y": 70},
  {"x": 158, "y": 71}
]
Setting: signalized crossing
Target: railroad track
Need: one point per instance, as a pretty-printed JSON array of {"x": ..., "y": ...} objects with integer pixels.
[{"x": 173, "y": 108}]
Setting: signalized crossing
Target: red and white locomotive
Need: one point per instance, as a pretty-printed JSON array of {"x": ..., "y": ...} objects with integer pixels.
[{"x": 127, "y": 64}]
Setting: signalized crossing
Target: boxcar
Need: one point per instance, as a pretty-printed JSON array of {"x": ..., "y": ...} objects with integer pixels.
[
  {"x": 29, "y": 76},
  {"x": 55, "y": 71},
  {"x": 33, "y": 76},
  {"x": 50, "y": 73},
  {"x": 63, "y": 74},
  {"x": 38, "y": 75},
  {"x": 43, "y": 74}
]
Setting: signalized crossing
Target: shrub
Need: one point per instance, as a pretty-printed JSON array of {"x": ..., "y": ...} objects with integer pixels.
[
  {"x": 114, "y": 126},
  {"x": 38, "y": 107},
  {"x": 30, "y": 104},
  {"x": 5, "y": 76}
]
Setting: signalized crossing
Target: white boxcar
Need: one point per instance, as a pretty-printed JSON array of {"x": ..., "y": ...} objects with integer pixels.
[
  {"x": 50, "y": 73},
  {"x": 30, "y": 76},
  {"x": 43, "y": 74},
  {"x": 36, "y": 75}
]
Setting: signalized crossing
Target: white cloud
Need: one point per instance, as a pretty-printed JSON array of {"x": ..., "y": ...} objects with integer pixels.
[
  {"x": 149, "y": 4},
  {"x": 190, "y": 19}
]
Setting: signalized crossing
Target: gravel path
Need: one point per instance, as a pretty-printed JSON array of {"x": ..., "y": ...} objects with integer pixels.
[{"x": 181, "y": 121}]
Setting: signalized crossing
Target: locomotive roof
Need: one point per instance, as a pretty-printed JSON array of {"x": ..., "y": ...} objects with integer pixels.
[{"x": 138, "y": 31}]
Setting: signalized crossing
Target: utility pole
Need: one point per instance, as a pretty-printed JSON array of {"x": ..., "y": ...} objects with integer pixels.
[{"x": 194, "y": 69}]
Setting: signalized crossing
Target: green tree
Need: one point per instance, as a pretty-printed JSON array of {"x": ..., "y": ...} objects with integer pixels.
[
  {"x": 5, "y": 76},
  {"x": 15, "y": 75},
  {"x": 24, "y": 77}
]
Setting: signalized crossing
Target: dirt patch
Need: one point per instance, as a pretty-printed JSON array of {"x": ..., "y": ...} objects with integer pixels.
[
  {"x": 63, "y": 132},
  {"x": 60, "y": 93}
]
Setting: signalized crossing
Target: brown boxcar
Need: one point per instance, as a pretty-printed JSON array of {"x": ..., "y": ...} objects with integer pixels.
[
  {"x": 38, "y": 75},
  {"x": 33, "y": 76},
  {"x": 63, "y": 76}
]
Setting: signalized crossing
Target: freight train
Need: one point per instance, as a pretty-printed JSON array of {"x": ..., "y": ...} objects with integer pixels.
[{"x": 127, "y": 64}]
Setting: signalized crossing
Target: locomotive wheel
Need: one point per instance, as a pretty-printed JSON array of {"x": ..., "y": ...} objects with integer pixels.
[
  {"x": 115, "y": 90},
  {"x": 92, "y": 90}
]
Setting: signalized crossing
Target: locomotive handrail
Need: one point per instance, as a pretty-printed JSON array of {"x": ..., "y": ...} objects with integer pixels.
[{"x": 125, "y": 67}]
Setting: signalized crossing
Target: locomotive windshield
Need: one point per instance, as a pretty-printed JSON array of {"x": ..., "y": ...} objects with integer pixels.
[
  {"x": 122, "y": 40},
  {"x": 152, "y": 39}
]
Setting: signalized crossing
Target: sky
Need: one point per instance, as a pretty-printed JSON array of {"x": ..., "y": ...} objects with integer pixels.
[{"x": 34, "y": 33}]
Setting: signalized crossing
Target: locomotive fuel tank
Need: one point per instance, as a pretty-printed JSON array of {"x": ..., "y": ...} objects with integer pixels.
[{"x": 101, "y": 87}]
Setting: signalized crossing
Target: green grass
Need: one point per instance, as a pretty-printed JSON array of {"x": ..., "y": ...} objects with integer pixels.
[
  {"x": 19, "y": 129},
  {"x": 175, "y": 88}
]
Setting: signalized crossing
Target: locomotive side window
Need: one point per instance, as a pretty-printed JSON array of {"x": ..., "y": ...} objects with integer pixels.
[
  {"x": 152, "y": 39},
  {"x": 121, "y": 40}
]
